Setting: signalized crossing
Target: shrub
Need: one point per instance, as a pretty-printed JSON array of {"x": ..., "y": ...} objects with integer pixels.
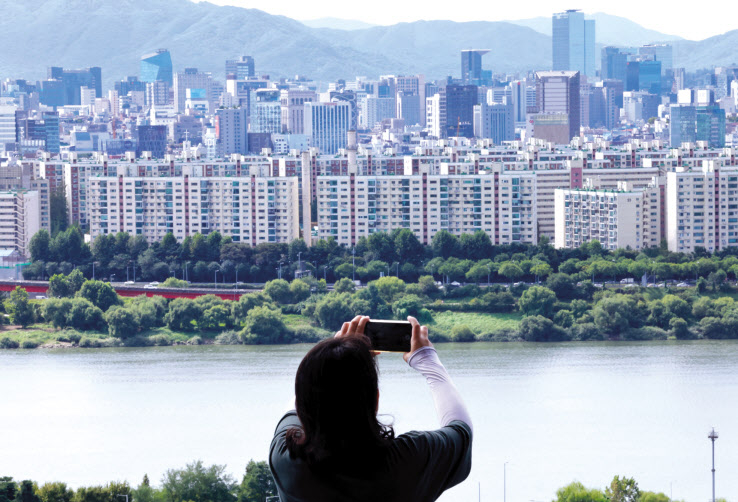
[
  {"x": 109, "y": 342},
  {"x": 173, "y": 282},
  {"x": 502, "y": 335},
  {"x": 195, "y": 340},
  {"x": 438, "y": 336},
  {"x": 462, "y": 334},
  {"x": 645, "y": 333},
  {"x": 265, "y": 326},
  {"x": 88, "y": 343},
  {"x": 29, "y": 344},
  {"x": 137, "y": 341},
  {"x": 541, "y": 329},
  {"x": 160, "y": 340},
  {"x": 8, "y": 343},
  {"x": 279, "y": 291},
  {"x": 230, "y": 337},
  {"x": 586, "y": 331},
  {"x": 344, "y": 285},
  {"x": 308, "y": 334}
]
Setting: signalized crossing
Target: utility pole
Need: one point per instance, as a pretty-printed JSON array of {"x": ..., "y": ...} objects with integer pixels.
[{"x": 712, "y": 436}]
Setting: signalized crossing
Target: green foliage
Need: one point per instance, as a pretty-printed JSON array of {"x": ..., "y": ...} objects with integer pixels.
[
  {"x": 100, "y": 293},
  {"x": 215, "y": 318},
  {"x": 537, "y": 300},
  {"x": 411, "y": 305},
  {"x": 197, "y": 483},
  {"x": 344, "y": 285},
  {"x": 299, "y": 291},
  {"x": 228, "y": 338},
  {"x": 183, "y": 312},
  {"x": 279, "y": 291},
  {"x": 623, "y": 490},
  {"x": 576, "y": 492},
  {"x": 330, "y": 311},
  {"x": 8, "y": 343},
  {"x": 462, "y": 334},
  {"x": 541, "y": 329},
  {"x": 241, "y": 308},
  {"x": 510, "y": 271},
  {"x": 615, "y": 314},
  {"x": 174, "y": 283},
  {"x": 122, "y": 322},
  {"x": 257, "y": 483},
  {"x": 55, "y": 492},
  {"x": 389, "y": 287},
  {"x": 265, "y": 326},
  {"x": 653, "y": 497},
  {"x": 19, "y": 308}
]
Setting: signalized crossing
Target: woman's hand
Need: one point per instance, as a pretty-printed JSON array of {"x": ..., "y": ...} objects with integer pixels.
[
  {"x": 355, "y": 327},
  {"x": 419, "y": 338}
]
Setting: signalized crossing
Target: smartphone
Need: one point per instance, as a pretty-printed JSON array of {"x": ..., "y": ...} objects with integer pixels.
[{"x": 389, "y": 336}]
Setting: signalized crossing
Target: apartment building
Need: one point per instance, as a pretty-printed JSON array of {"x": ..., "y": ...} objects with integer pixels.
[
  {"x": 22, "y": 214},
  {"x": 249, "y": 208},
  {"x": 623, "y": 217},
  {"x": 702, "y": 207},
  {"x": 500, "y": 204}
]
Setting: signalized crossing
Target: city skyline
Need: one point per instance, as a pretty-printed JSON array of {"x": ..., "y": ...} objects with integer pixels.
[{"x": 699, "y": 25}]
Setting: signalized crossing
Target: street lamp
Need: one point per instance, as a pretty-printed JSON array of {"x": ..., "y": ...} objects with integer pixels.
[
  {"x": 325, "y": 267},
  {"x": 353, "y": 264},
  {"x": 112, "y": 278},
  {"x": 489, "y": 273},
  {"x": 504, "y": 482},
  {"x": 215, "y": 277},
  {"x": 299, "y": 262},
  {"x": 712, "y": 436}
]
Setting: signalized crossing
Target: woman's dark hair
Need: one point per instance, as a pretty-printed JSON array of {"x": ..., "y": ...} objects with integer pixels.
[{"x": 336, "y": 398}]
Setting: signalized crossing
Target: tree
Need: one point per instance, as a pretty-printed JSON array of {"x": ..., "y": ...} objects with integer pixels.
[
  {"x": 478, "y": 272},
  {"x": 576, "y": 492},
  {"x": 58, "y": 210},
  {"x": 541, "y": 270},
  {"x": 122, "y": 323},
  {"x": 264, "y": 325},
  {"x": 100, "y": 293},
  {"x": 241, "y": 308},
  {"x": 410, "y": 305},
  {"x": 654, "y": 497},
  {"x": 38, "y": 247},
  {"x": 27, "y": 493},
  {"x": 679, "y": 329},
  {"x": 182, "y": 313},
  {"x": 623, "y": 490},
  {"x": 197, "y": 483},
  {"x": 279, "y": 291},
  {"x": 19, "y": 308},
  {"x": 75, "y": 280},
  {"x": 331, "y": 311},
  {"x": 511, "y": 271},
  {"x": 344, "y": 285},
  {"x": 58, "y": 286},
  {"x": 212, "y": 318},
  {"x": 55, "y": 492},
  {"x": 427, "y": 284},
  {"x": 444, "y": 244},
  {"x": 613, "y": 314},
  {"x": 562, "y": 285},
  {"x": 8, "y": 489},
  {"x": 407, "y": 246},
  {"x": 537, "y": 300},
  {"x": 388, "y": 287},
  {"x": 540, "y": 329},
  {"x": 299, "y": 290},
  {"x": 257, "y": 483},
  {"x": 461, "y": 333}
]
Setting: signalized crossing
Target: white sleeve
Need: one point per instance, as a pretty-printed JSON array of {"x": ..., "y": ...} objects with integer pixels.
[{"x": 449, "y": 404}]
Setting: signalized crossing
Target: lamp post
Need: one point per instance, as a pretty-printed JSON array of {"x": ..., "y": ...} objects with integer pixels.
[
  {"x": 215, "y": 277},
  {"x": 504, "y": 482},
  {"x": 325, "y": 267},
  {"x": 397, "y": 269},
  {"x": 299, "y": 262},
  {"x": 93, "y": 270},
  {"x": 353, "y": 264},
  {"x": 489, "y": 273},
  {"x": 112, "y": 278},
  {"x": 712, "y": 436}
]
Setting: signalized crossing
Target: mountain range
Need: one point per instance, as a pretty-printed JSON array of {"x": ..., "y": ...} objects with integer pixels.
[{"x": 36, "y": 34}]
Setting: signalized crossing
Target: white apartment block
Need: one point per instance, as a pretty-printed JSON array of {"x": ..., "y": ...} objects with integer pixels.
[
  {"x": 22, "y": 214},
  {"x": 619, "y": 218},
  {"x": 502, "y": 205},
  {"x": 702, "y": 207},
  {"x": 248, "y": 208}
]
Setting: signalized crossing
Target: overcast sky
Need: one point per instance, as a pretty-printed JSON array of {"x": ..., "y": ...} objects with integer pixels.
[{"x": 690, "y": 20}]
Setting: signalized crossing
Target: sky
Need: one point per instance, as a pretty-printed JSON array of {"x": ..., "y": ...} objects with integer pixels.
[{"x": 682, "y": 18}]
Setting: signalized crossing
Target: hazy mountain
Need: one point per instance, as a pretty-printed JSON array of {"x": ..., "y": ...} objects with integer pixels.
[
  {"x": 610, "y": 30},
  {"x": 35, "y": 34},
  {"x": 337, "y": 23}
]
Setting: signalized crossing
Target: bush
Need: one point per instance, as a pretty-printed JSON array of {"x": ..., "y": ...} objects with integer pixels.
[
  {"x": 137, "y": 341},
  {"x": 228, "y": 338},
  {"x": 279, "y": 291},
  {"x": 586, "y": 331},
  {"x": 503, "y": 335},
  {"x": 438, "y": 336},
  {"x": 541, "y": 329},
  {"x": 8, "y": 343},
  {"x": 462, "y": 334},
  {"x": 265, "y": 326},
  {"x": 174, "y": 283},
  {"x": 29, "y": 344},
  {"x": 308, "y": 334},
  {"x": 195, "y": 340},
  {"x": 88, "y": 343},
  {"x": 645, "y": 333},
  {"x": 122, "y": 322},
  {"x": 344, "y": 285},
  {"x": 160, "y": 340}
]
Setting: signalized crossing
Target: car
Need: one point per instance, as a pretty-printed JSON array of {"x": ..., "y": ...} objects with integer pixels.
[
  {"x": 153, "y": 283},
  {"x": 41, "y": 297},
  {"x": 129, "y": 283},
  {"x": 682, "y": 285},
  {"x": 521, "y": 283},
  {"x": 150, "y": 286}
]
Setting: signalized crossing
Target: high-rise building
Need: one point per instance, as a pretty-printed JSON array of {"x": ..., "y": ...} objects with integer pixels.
[
  {"x": 71, "y": 83},
  {"x": 328, "y": 124},
  {"x": 240, "y": 90},
  {"x": 293, "y": 109},
  {"x": 557, "y": 92},
  {"x": 691, "y": 123},
  {"x": 375, "y": 110},
  {"x": 7, "y": 125},
  {"x": 157, "y": 66},
  {"x": 494, "y": 121},
  {"x": 643, "y": 74},
  {"x": 190, "y": 78},
  {"x": 471, "y": 65},
  {"x": 457, "y": 110},
  {"x": 409, "y": 108},
  {"x": 157, "y": 93},
  {"x": 265, "y": 112},
  {"x": 152, "y": 138},
  {"x": 519, "y": 99},
  {"x": 612, "y": 64},
  {"x": 659, "y": 52},
  {"x": 131, "y": 83},
  {"x": 231, "y": 126},
  {"x": 573, "y": 42},
  {"x": 22, "y": 214},
  {"x": 241, "y": 68}
]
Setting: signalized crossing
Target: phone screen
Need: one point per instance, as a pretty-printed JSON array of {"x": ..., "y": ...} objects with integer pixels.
[{"x": 389, "y": 336}]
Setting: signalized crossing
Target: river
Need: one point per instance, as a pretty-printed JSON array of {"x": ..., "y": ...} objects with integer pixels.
[{"x": 554, "y": 413}]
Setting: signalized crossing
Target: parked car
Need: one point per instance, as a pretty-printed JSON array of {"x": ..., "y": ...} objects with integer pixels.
[
  {"x": 129, "y": 283},
  {"x": 682, "y": 285},
  {"x": 151, "y": 286}
]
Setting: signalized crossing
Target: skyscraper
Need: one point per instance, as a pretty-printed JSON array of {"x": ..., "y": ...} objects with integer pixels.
[
  {"x": 157, "y": 66},
  {"x": 241, "y": 68},
  {"x": 265, "y": 111},
  {"x": 457, "y": 110},
  {"x": 471, "y": 65},
  {"x": 328, "y": 124},
  {"x": 690, "y": 123},
  {"x": 230, "y": 130},
  {"x": 494, "y": 121},
  {"x": 612, "y": 64},
  {"x": 189, "y": 79},
  {"x": 660, "y": 52},
  {"x": 558, "y": 93},
  {"x": 73, "y": 80},
  {"x": 573, "y": 42}
]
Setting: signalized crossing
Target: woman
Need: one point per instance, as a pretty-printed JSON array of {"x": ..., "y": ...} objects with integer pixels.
[{"x": 333, "y": 448}]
